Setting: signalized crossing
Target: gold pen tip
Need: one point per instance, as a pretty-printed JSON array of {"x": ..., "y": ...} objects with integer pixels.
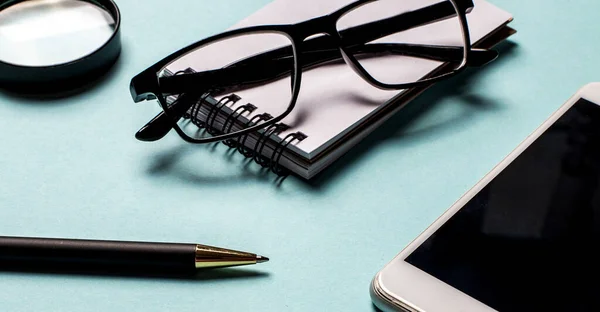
[{"x": 261, "y": 259}]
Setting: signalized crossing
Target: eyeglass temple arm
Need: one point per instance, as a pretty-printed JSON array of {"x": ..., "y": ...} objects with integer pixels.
[
  {"x": 445, "y": 54},
  {"x": 246, "y": 75},
  {"x": 365, "y": 33},
  {"x": 251, "y": 72},
  {"x": 328, "y": 48},
  {"x": 162, "y": 123}
]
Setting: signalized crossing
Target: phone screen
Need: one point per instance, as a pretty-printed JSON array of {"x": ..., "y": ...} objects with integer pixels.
[{"x": 530, "y": 239}]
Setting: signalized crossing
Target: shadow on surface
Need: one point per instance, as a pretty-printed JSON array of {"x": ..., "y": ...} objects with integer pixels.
[
  {"x": 53, "y": 94},
  {"x": 172, "y": 163},
  {"x": 396, "y": 127},
  {"x": 133, "y": 273}
]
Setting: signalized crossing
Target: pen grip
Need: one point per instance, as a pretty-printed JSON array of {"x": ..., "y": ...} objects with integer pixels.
[{"x": 97, "y": 254}]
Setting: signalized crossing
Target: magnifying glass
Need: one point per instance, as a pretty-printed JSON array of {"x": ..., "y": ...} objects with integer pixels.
[{"x": 56, "y": 44}]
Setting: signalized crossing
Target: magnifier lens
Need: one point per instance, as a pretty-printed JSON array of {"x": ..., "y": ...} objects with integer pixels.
[{"x": 52, "y": 32}]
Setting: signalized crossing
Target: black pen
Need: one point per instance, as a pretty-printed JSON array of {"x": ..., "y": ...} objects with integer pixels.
[{"x": 123, "y": 255}]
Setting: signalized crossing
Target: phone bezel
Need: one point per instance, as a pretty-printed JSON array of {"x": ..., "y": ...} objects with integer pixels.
[{"x": 401, "y": 286}]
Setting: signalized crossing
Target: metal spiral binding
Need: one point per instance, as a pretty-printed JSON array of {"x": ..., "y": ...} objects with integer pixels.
[
  {"x": 241, "y": 144},
  {"x": 262, "y": 140},
  {"x": 214, "y": 111},
  {"x": 230, "y": 121},
  {"x": 195, "y": 111},
  {"x": 278, "y": 151}
]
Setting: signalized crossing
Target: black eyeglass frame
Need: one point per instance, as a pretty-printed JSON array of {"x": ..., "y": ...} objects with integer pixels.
[{"x": 146, "y": 85}]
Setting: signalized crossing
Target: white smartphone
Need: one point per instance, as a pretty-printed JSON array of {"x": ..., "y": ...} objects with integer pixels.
[{"x": 525, "y": 238}]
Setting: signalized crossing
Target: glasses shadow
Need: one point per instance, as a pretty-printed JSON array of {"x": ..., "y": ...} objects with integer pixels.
[
  {"x": 65, "y": 270},
  {"x": 396, "y": 127},
  {"x": 172, "y": 163}
]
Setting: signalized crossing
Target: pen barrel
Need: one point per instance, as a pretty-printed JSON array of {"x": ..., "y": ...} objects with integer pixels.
[{"x": 97, "y": 254}]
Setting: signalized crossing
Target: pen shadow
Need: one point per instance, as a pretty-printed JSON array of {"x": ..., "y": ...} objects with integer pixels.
[
  {"x": 396, "y": 128},
  {"x": 66, "y": 270}
]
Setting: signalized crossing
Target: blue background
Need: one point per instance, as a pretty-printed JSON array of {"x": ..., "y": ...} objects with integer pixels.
[{"x": 71, "y": 168}]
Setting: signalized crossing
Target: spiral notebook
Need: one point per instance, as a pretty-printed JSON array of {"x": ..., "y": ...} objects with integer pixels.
[{"x": 336, "y": 108}]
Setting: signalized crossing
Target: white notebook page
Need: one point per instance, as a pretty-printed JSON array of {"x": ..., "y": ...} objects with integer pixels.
[{"x": 334, "y": 98}]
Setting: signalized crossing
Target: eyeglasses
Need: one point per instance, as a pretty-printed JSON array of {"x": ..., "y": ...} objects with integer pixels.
[{"x": 264, "y": 64}]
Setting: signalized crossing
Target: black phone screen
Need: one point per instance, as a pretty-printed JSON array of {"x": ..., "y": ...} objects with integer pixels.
[{"x": 530, "y": 239}]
